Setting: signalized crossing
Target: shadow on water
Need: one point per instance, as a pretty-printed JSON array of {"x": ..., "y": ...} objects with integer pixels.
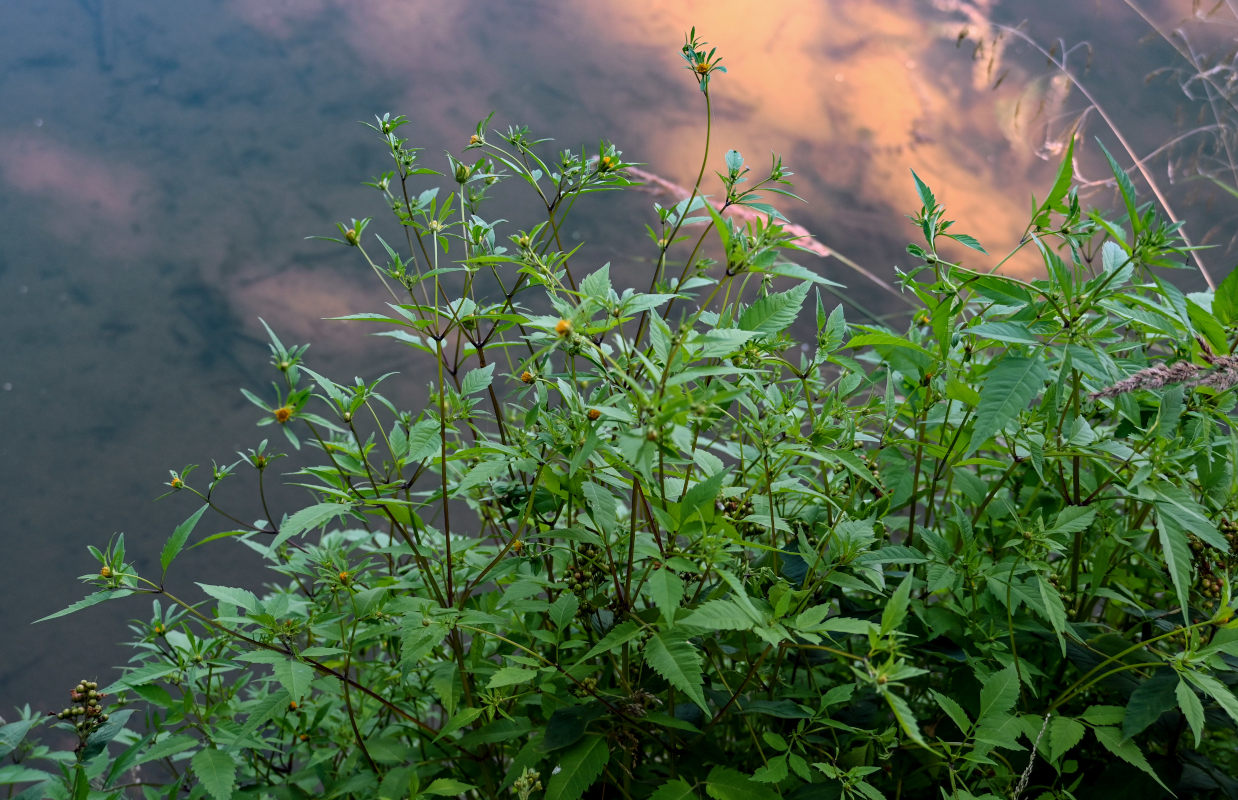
[{"x": 162, "y": 165}]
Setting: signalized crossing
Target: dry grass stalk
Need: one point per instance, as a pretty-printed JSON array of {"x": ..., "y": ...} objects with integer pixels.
[{"x": 1222, "y": 375}]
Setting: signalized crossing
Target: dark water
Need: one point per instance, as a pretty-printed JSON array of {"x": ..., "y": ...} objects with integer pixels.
[{"x": 161, "y": 164}]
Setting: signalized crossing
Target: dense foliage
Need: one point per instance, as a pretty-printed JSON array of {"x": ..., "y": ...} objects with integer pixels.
[{"x": 707, "y": 537}]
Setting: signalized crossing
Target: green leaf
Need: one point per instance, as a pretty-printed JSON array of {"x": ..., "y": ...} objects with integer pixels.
[
  {"x": 674, "y": 789},
  {"x": 906, "y": 720},
  {"x": 217, "y": 772},
  {"x": 618, "y": 636},
  {"x": 18, "y": 773},
  {"x": 721, "y": 615},
  {"x": 998, "y": 694},
  {"x": 13, "y": 733},
  {"x": 1192, "y": 709},
  {"x": 563, "y": 610},
  {"x": 1125, "y": 187},
  {"x": 447, "y": 787},
  {"x": 1103, "y": 715},
  {"x": 1062, "y": 734},
  {"x": 510, "y": 676},
  {"x": 725, "y": 783},
  {"x": 242, "y": 598},
  {"x": 314, "y": 516},
  {"x": 1176, "y": 548},
  {"x": 673, "y": 657},
  {"x": 896, "y": 607},
  {"x": 1216, "y": 690},
  {"x": 597, "y": 284},
  {"x": 294, "y": 676},
  {"x": 1182, "y": 512},
  {"x": 477, "y": 380},
  {"x": 1128, "y": 751},
  {"x": 666, "y": 590},
  {"x": 1225, "y": 301},
  {"x": 1151, "y": 698},
  {"x": 88, "y": 601},
  {"x": 1015, "y": 332},
  {"x": 1009, "y": 387},
  {"x": 774, "y": 313},
  {"x": 953, "y": 710},
  {"x": 423, "y": 440},
  {"x": 578, "y": 769},
  {"x": 176, "y": 542}
]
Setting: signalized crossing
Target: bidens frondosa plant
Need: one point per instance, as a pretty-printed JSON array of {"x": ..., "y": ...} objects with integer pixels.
[{"x": 704, "y": 537}]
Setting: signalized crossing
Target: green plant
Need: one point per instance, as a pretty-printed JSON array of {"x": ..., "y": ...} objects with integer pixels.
[{"x": 643, "y": 544}]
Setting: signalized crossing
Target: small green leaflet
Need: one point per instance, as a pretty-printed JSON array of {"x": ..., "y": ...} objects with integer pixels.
[
  {"x": 998, "y": 694},
  {"x": 88, "y": 601},
  {"x": 725, "y": 783},
  {"x": 673, "y": 657},
  {"x": 578, "y": 769},
  {"x": 674, "y": 789},
  {"x": 1126, "y": 750},
  {"x": 477, "y": 380},
  {"x": 307, "y": 518},
  {"x": 774, "y": 313},
  {"x": 1009, "y": 387},
  {"x": 666, "y": 590},
  {"x": 176, "y": 542},
  {"x": 242, "y": 598},
  {"x": 216, "y": 770}
]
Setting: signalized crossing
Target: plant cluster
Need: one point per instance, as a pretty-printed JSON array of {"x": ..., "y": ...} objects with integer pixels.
[{"x": 709, "y": 538}]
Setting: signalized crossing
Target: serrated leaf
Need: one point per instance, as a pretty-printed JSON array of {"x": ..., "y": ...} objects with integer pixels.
[
  {"x": 423, "y": 440},
  {"x": 618, "y": 636},
  {"x": 88, "y": 601},
  {"x": 1176, "y": 549},
  {"x": 1225, "y": 300},
  {"x": 1128, "y": 751},
  {"x": 602, "y": 507},
  {"x": 906, "y": 720},
  {"x": 477, "y": 380},
  {"x": 217, "y": 772},
  {"x": 563, "y": 610},
  {"x": 1192, "y": 709},
  {"x": 447, "y": 787},
  {"x": 1015, "y": 332},
  {"x": 998, "y": 695},
  {"x": 314, "y": 516},
  {"x": 718, "y": 615},
  {"x": 578, "y": 769},
  {"x": 1103, "y": 715},
  {"x": 953, "y": 710},
  {"x": 510, "y": 676},
  {"x": 19, "y": 773},
  {"x": 674, "y": 789},
  {"x": 13, "y": 733},
  {"x": 176, "y": 542},
  {"x": 597, "y": 284},
  {"x": 241, "y": 598},
  {"x": 482, "y": 472},
  {"x": 1061, "y": 735},
  {"x": 725, "y": 783},
  {"x": 896, "y": 607},
  {"x": 1217, "y": 691},
  {"x": 666, "y": 590},
  {"x": 1008, "y": 389},
  {"x": 1181, "y": 511},
  {"x": 774, "y": 313},
  {"x": 674, "y": 658},
  {"x": 294, "y": 676}
]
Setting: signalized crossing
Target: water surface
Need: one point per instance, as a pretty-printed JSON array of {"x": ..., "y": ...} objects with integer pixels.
[{"x": 161, "y": 164}]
